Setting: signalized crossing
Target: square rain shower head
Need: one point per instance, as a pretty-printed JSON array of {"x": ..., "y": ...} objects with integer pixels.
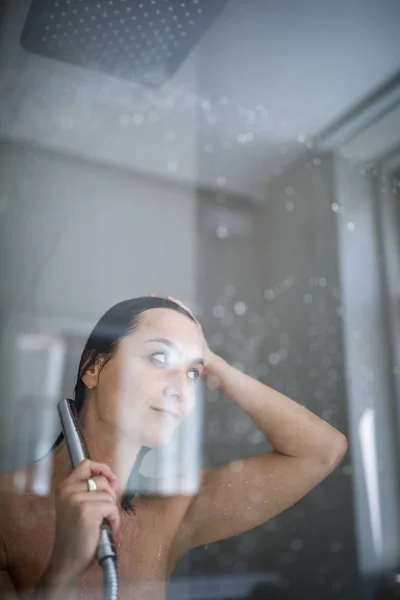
[{"x": 138, "y": 40}]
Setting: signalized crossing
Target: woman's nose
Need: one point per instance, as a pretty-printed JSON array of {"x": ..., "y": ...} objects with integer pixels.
[{"x": 177, "y": 389}]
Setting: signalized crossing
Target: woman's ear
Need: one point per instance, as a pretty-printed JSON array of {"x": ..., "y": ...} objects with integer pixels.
[{"x": 91, "y": 376}]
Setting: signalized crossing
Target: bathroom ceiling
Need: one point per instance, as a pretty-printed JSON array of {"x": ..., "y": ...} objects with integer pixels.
[{"x": 267, "y": 76}]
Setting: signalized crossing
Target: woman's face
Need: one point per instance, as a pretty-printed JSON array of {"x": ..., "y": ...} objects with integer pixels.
[{"x": 148, "y": 388}]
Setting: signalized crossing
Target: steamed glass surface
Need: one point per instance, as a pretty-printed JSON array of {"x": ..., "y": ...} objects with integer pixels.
[{"x": 253, "y": 173}]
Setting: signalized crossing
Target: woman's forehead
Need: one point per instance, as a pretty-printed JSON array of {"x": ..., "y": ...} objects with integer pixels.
[{"x": 170, "y": 324}]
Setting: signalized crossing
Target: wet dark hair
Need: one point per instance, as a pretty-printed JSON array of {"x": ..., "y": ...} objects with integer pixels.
[{"x": 118, "y": 322}]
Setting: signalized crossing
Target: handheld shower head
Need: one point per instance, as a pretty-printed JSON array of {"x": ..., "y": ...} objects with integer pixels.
[{"x": 78, "y": 452}]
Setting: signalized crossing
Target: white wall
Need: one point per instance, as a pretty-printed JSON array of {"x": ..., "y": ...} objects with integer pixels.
[{"x": 75, "y": 237}]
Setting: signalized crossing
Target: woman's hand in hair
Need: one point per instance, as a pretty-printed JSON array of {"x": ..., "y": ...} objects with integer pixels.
[{"x": 209, "y": 356}]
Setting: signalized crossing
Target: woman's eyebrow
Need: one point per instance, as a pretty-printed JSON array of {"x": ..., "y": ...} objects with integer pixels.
[
  {"x": 198, "y": 361},
  {"x": 173, "y": 346},
  {"x": 166, "y": 342}
]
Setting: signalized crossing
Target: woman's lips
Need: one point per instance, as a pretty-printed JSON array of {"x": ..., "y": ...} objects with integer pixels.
[{"x": 167, "y": 412}]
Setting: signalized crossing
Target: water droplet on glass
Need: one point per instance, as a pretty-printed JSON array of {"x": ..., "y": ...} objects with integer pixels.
[
  {"x": 322, "y": 282},
  {"x": 350, "y": 226},
  {"x": 262, "y": 110},
  {"x": 272, "y": 525},
  {"x": 257, "y": 437},
  {"x": 317, "y": 161},
  {"x": 218, "y": 311},
  {"x": 221, "y": 232},
  {"x": 301, "y": 138},
  {"x": 269, "y": 294},
  {"x": 327, "y": 414},
  {"x": 230, "y": 290},
  {"x": 137, "y": 119},
  {"x": 307, "y": 299},
  {"x": 240, "y": 308},
  {"x": 297, "y": 545},
  {"x": 245, "y": 138},
  {"x": 236, "y": 466},
  {"x": 289, "y": 206},
  {"x": 289, "y": 190},
  {"x": 282, "y": 354},
  {"x": 212, "y": 382},
  {"x": 287, "y": 282},
  {"x": 273, "y": 358},
  {"x": 335, "y": 207}
]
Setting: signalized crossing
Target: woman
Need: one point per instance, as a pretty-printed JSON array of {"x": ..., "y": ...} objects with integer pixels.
[{"x": 136, "y": 384}]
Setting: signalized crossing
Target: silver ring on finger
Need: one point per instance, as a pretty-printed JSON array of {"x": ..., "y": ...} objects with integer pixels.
[{"x": 92, "y": 487}]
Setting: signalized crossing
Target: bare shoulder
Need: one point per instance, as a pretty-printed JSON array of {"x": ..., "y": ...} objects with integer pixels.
[
  {"x": 171, "y": 510},
  {"x": 7, "y": 494},
  {"x": 15, "y": 491},
  {"x": 162, "y": 517},
  {"x": 8, "y": 491},
  {"x": 174, "y": 510},
  {"x": 18, "y": 532},
  {"x": 13, "y": 485}
]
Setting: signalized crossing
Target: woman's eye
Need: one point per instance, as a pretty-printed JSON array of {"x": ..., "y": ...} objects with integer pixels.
[
  {"x": 194, "y": 374},
  {"x": 160, "y": 357}
]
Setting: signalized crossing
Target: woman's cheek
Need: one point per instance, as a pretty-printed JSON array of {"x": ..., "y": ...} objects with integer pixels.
[{"x": 190, "y": 404}]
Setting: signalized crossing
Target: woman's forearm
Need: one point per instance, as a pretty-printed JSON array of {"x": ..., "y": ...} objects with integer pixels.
[{"x": 290, "y": 428}]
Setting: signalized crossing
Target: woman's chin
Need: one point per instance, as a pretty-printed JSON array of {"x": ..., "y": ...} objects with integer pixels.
[{"x": 158, "y": 437}]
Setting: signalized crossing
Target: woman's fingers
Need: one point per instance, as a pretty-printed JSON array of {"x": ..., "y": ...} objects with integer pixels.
[
  {"x": 88, "y": 469},
  {"x": 182, "y": 304},
  {"x": 102, "y": 485}
]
